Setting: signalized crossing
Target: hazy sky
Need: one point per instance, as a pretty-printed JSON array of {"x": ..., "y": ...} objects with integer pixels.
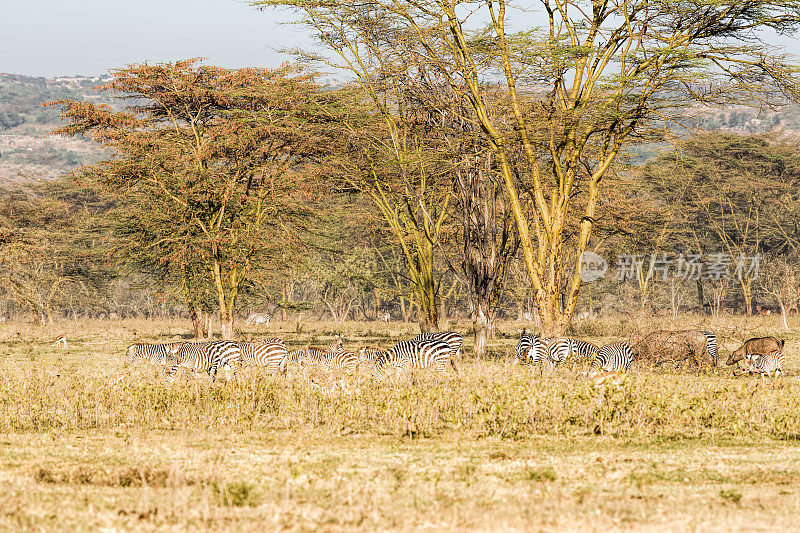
[{"x": 64, "y": 37}]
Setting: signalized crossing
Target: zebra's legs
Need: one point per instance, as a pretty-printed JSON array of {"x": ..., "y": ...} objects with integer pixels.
[{"x": 453, "y": 364}]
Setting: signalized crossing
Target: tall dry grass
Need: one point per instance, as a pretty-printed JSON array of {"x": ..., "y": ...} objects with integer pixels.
[{"x": 88, "y": 386}]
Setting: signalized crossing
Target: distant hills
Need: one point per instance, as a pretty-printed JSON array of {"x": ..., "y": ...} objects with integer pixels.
[
  {"x": 29, "y": 152},
  {"x": 27, "y": 149}
]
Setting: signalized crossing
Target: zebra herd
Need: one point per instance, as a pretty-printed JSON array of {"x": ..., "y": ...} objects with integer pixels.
[
  {"x": 426, "y": 350},
  {"x": 535, "y": 350},
  {"x": 763, "y": 356}
]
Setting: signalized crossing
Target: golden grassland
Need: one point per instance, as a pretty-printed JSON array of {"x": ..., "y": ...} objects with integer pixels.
[{"x": 88, "y": 442}]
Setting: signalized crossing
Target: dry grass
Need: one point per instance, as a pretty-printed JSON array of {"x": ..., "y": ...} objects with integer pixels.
[{"x": 89, "y": 443}]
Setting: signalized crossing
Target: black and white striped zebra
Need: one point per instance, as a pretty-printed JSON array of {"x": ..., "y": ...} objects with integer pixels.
[
  {"x": 614, "y": 357},
  {"x": 560, "y": 349},
  {"x": 531, "y": 350},
  {"x": 586, "y": 351},
  {"x": 369, "y": 354},
  {"x": 769, "y": 364},
  {"x": 332, "y": 359},
  {"x": 152, "y": 353},
  {"x": 455, "y": 340},
  {"x": 416, "y": 354},
  {"x": 206, "y": 357},
  {"x": 269, "y": 353},
  {"x": 712, "y": 345}
]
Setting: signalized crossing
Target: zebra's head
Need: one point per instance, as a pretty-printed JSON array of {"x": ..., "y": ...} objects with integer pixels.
[{"x": 132, "y": 352}]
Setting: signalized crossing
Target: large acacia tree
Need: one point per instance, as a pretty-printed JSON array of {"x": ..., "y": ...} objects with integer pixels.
[
  {"x": 206, "y": 165},
  {"x": 600, "y": 73}
]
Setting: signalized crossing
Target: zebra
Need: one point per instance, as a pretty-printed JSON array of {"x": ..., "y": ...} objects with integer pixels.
[
  {"x": 769, "y": 364},
  {"x": 269, "y": 353},
  {"x": 524, "y": 345},
  {"x": 206, "y": 357},
  {"x": 585, "y": 350},
  {"x": 369, "y": 354},
  {"x": 416, "y": 354},
  {"x": 531, "y": 350},
  {"x": 257, "y": 318},
  {"x": 452, "y": 338},
  {"x": 334, "y": 359},
  {"x": 712, "y": 345},
  {"x": 614, "y": 357},
  {"x": 559, "y": 349},
  {"x": 152, "y": 353}
]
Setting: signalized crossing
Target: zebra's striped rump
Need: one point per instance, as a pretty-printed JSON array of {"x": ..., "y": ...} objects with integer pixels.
[
  {"x": 206, "y": 357},
  {"x": 416, "y": 354},
  {"x": 530, "y": 349},
  {"x": 614, "y": 357},
  {"x": 560, "y": 349},
  {"x": 152, "y": 353},
  {"x": 455, "y": 340},
  {"x": 269, "y": 353}
]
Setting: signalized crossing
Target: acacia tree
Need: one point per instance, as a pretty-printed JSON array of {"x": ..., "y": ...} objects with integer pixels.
[
  {"x": 206, "y": 160},
  {"x": 602, "y": 73},
  {"x": 395, "y": 165}
]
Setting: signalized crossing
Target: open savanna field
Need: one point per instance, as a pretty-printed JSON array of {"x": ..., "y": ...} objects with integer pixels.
[{"x": 88, "y": 442}]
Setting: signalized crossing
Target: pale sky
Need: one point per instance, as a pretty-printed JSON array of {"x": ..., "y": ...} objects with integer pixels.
[{"x": 89, "y": 37}]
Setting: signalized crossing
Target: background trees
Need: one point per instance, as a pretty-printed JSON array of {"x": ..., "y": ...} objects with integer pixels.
[
  {"x": 737, "y": 201},
  {"x": 596, "y": 76},
  {"x": 52, "y": 248},
  {"x": 207, "y": 160}
]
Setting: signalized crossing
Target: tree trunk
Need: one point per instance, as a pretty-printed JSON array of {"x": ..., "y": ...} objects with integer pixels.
[
  {"x": 701, "y": 301},
  {"x": 226, "y": 324},
  {"x": 197, "y": 326},
  {"x": 747, "y": 293},
  {"x": 481, "y": 324}
]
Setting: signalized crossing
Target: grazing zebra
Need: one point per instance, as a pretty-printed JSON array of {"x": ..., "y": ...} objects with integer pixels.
[
  {"x": 257, "y": 318},
  {"x": 206, "y": 357},
  {"x": 769, "y": 364},
  {"x": 712, "y": 345},
  {"x": 369, "y": 354},
  {"x": 416, "y": 354},
  {"x": 585, "y": 350},
  {"x": 152, "y": 353},
  {"x": 269, "y": 353},
  {"x": 531, "y": 350},
  {"x": 334, "y": 359},
  {"x": 452, "y": 338},
  {"x": 614, "y": 357},
  {"x": 559, "y": 349}
]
